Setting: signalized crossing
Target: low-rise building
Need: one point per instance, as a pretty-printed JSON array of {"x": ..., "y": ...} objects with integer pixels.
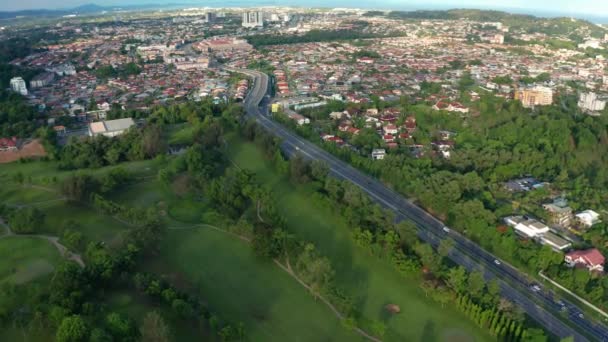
[
  {"x": 591, "y": 102},
  {"x": 560, "y": 214},
  {"x": 110, "y": 128},
  {"x": 378, "y": 154},
  {"x": 527, "y": 227},
  {"x": 18, "y": 85},
  {"x": 588, "y": 218},
  {"x": 535, "y": 96},
  {"x": 8, "y": 144},
  {"x": 556, "y": 242},
  {"x": 42, "y": 80},
  {"x": 591, "y": 259}
]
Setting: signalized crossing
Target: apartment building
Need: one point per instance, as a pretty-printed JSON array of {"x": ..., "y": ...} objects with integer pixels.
[{"x": 535, "y": 96}]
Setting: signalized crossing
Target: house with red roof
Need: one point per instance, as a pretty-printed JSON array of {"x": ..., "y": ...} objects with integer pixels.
[
  {"x": 390, "y": 129},
  {"x": 8, "y": 144},
  {"x": 592, "y": 259}
]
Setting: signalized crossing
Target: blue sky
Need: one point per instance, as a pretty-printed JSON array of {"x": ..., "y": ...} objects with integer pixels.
[{"x": 573, "y": 7}]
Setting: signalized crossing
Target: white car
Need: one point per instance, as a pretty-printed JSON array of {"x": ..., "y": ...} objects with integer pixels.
[
  {"x": 535, "y": 288},
  {"x": 497, "y": 262},
  {"x": 446, "y": 229}
]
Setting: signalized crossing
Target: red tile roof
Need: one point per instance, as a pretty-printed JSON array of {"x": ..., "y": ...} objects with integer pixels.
[{"x": 590, "y": 256}]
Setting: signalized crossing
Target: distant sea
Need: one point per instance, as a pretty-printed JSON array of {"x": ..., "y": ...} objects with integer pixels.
[{"x": 400, "y": 5}]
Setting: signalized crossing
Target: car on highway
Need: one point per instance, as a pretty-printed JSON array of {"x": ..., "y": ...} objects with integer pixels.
[
  {"x": 446, "y": 229},
  {"x": 497, "y": 262},
  {"x": 535, "y": 287}
]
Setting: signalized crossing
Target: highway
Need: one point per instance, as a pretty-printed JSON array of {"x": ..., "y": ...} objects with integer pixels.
[{"x": 515, "y": 285}]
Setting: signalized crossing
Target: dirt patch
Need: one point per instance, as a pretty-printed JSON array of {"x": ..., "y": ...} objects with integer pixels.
[{"x": 31, "y": 149}]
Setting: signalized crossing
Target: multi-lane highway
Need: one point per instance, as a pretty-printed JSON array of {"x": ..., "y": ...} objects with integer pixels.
[{"x": 515, "y": 285}]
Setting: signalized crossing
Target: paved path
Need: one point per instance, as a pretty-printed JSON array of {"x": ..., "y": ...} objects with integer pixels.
[{"x": 54, "y": 240}]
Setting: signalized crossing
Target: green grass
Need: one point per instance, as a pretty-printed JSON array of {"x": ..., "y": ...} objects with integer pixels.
[
  {"x": 244, "y": 288},
  {"x": 235, "y": 283},
  {"x": 93, "y": 226},
  {"x": 25, "y": 259},
  {"x": 43, "y": 173},
  {"x": 373, "y": 283},
  {"x": 181, "y": 134},
  {"x": 15, "y": 194}
]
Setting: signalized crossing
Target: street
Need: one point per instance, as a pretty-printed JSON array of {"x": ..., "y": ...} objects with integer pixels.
[{"x": 514, "y": 284}]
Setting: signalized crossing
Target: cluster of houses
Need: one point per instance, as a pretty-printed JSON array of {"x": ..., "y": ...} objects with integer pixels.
[
  {"x": 536, "y": 230},
  {"x": 560, "y": 216},
  {"x": 241, "y": 90}
]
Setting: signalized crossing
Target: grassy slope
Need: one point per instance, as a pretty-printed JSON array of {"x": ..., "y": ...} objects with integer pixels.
[
  {"x": 24, "y": 259},
  {"x": 373, "y": 283},
  {"x": 235, "y": 283},
  {"x": 244, "y": 288}
]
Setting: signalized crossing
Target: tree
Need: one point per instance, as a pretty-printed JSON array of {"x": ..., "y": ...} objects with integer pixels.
[
  {"x": 26, "y": 220},
  {"x": 152, "y": 141},
  {"x": 476, "y": 284},
  {"x": 78, "y": 187},
  {"x": 121, "y": 328},
  {"x": 154, "y": 329},
  {"x": 378, "y": 328},
  {"x": 314, "y": 270},
  {"x": 73, "y": 239},
  {"x": 72, "y": 329},
  {"x": 319, "y": 170},
  {"x": 299, "y": 169},
  {"x": 457, "y": 279},
  {"x": 445, "y": 247},
  {"x": 100, "y": 335}
]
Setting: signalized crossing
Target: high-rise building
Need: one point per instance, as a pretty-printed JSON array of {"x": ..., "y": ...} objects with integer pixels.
[
  {"x": 253, "y": 19},
  {"x": 590, "y": 102},
  {"x": 18, "y": 85},
  {"x": 210, "y": 17},
  {"x": 536, "y": 96}
]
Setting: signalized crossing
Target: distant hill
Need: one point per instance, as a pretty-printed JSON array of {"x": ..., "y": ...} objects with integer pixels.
[
  {"x": 82, "y": 9},
  {"x": 88, "y": 8},
  {"x": 530, "y": 23}
]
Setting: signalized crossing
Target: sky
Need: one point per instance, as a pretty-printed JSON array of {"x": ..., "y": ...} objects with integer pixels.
[{"x": 540, "y": 7}]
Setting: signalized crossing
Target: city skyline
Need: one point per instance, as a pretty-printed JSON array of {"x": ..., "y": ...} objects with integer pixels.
[{"x": 539, "y": 7}]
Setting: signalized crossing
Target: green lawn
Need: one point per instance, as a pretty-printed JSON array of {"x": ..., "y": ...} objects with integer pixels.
[
  {"x": 373, "y": 283},
  {"x": 43, "y": 173},
  {"x": 24, "y": 259},
  {"x": 244, "y": 288},
  {"x": 93, "y": 226},
  {"x": 180, "y": 134},
  {"x": 235, "y": 283}
]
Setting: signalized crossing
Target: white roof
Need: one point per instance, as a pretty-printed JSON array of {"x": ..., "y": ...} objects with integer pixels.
[
  {"x": 111, "y": 125},
  {"x": 532, "y": 228}
]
